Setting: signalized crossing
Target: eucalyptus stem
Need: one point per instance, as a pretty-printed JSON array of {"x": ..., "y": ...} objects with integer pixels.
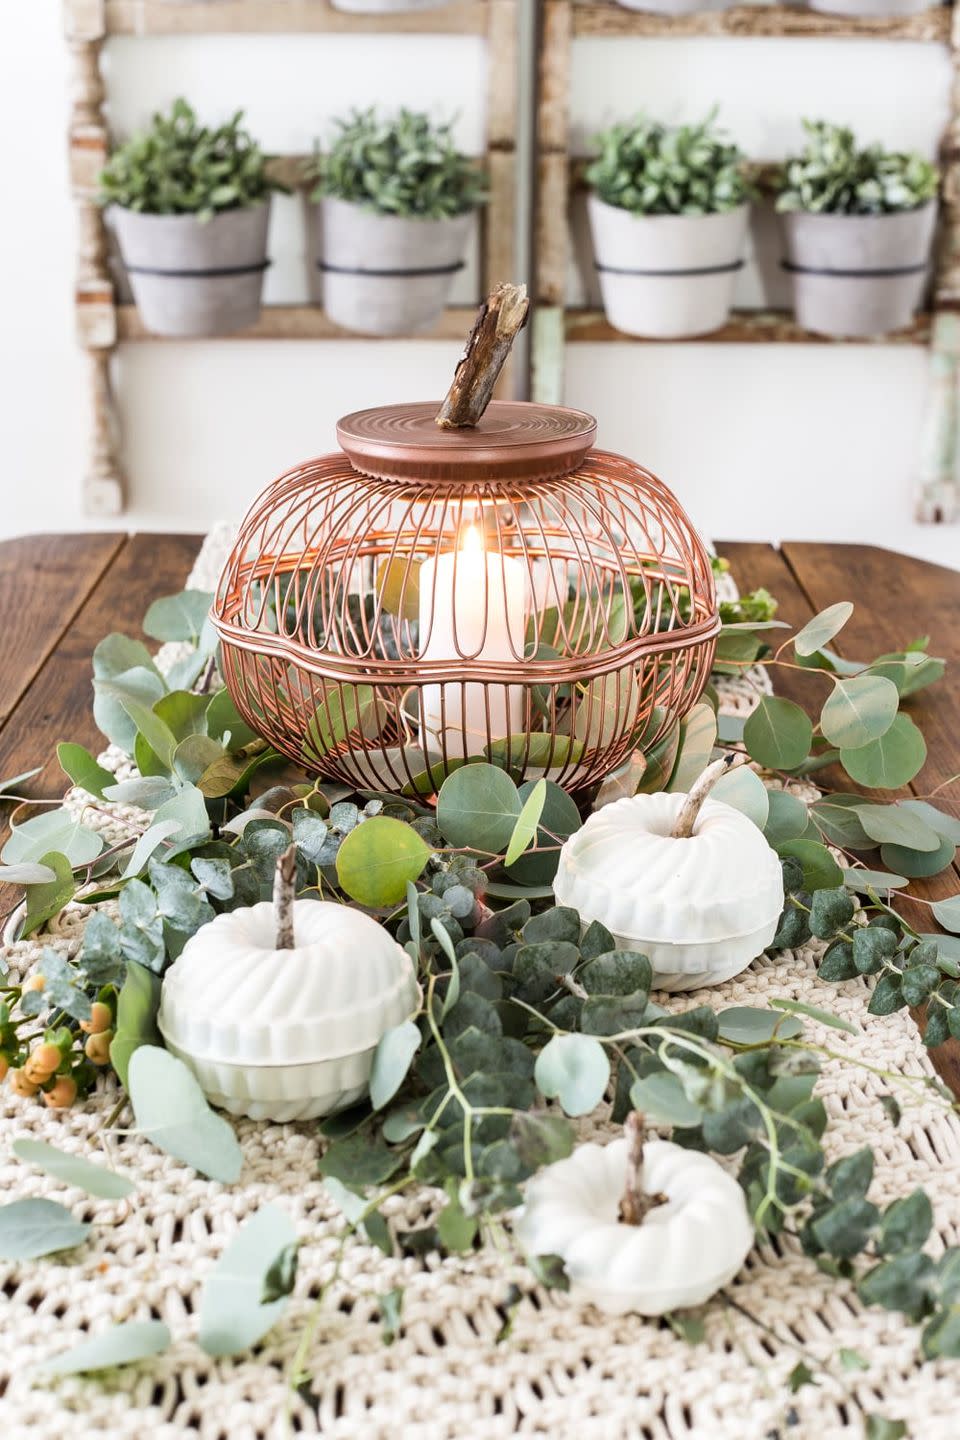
[{"x": 284, "y": 895}]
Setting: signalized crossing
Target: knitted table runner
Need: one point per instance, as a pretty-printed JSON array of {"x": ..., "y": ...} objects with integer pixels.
[{"x": 563, "y": 1370}]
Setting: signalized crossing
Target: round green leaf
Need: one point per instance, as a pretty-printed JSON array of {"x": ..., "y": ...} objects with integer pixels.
[
  {"x": 749, "y": 1025},
  {"x": 861, "y": 879},
  {"x": 391, "y": 1061},
  {"x": 947, "y": 913},
  {"x": 820, "y": 870},
  {"x": 527, "y": 821},
  {"x": 822, "y": 628},
  {"x": 918, "y": 864},
  {"x": 894, "y": 825},
  {"x": 859, "y": 710},
  {"x": 73, "y": 1169},
  {"x": 31, "y": 1228},
  {"x": 836, "y": 818},
  {"x": 660, "y": 1098},
  {"x": 378, "y": 858},
  {"x": 787, "y": 818},
  {"x": 559, "y": 820},
  {"x": 698, "y": 735},
  {"x": 120, "y": 1345},
  {"x": 891, "y": 760},
  {"x": 477, "y": 808},
  {"x": 778, "y": 734},
  {"x": 573, "y": 1069},
  {"x": 745, "y": 791},
  {"x": 178, "y": 617}
]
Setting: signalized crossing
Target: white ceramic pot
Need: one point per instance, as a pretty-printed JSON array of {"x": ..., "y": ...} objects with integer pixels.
[
  {"x": 190, "y": 278},
  {"x": 682, "y": 1253},
  {"x": 384, "y": 7},
  {"x": 286, "y": 1034},
  {"x": 870, "y": 8},
  {"x": 858, "y": 274},
  {"x": 666, "y": 276},
  {"x": 387, "y": 274},
  {"x": 675, "y": 7},
  {"x": 700, "y": 908}
]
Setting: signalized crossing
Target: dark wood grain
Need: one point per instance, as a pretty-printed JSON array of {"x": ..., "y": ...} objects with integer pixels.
[
  {"x": 44, "y": 582},
  {"x": 896, "y": 599},
  {"x": 57, "y": 704}
]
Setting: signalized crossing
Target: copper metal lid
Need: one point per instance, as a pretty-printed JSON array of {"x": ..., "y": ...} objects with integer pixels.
[{"x": 515, "y": 440}]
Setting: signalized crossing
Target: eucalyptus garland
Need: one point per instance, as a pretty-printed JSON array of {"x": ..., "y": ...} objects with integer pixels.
[{"x": 528, "y": 1020}]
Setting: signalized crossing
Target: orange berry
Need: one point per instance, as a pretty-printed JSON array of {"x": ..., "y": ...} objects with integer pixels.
[
  {"x": 101, "y": 1018},
  {"x": 36, "y": 982},
  {"x": 4, "y": 1067},
  {"x": 42, "y": 1062},
  {"x": 62, "y": 1093},
  {"x": 20, "y": 1084},
  {"x": 97, "y": 1048}
]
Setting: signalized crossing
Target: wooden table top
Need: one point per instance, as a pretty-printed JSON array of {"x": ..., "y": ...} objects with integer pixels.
[{"x": 60, "y": 594}]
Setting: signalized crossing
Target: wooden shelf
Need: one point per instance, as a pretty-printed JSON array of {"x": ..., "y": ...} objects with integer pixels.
[
  {"x": 761, "y": 20},
  {"x": 279, "y": 17},
  {"x": 304, "y": 322},
  {"x": 745, "y": 326}
]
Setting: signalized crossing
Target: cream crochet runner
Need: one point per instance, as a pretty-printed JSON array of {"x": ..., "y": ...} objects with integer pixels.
[{"x": 564, "y": 1370}]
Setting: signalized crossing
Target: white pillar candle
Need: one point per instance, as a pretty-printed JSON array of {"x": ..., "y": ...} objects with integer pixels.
[{"x": 472, "y": 607}]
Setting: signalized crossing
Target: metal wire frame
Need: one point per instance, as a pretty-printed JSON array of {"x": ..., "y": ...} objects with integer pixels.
[{"x": 343, "y": 647}]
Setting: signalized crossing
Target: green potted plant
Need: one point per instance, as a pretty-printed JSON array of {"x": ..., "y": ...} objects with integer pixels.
[
  {"x": 395, "y": 201},
  {"x": 858, "y": 226},
  {"x": 668, "y": 212},
  {"x": 872, "y": 8},
  {"x": 384, "y": 7},
  {"x": 190, "y": 206},
  {"x": 675, "y": 7}
]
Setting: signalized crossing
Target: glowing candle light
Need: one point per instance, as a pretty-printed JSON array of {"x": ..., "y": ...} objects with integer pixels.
[{"x": 472, "y": 608}]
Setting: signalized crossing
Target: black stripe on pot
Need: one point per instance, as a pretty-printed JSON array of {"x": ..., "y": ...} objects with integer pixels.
[
  {"x": 358, "y": 270},
  {"x": 198, "y": 274},
  {"x": 882, "y": 273},
  {"x": 702, "y": 270}
]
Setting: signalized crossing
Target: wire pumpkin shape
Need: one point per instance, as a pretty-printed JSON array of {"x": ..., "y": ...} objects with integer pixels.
[{"x": 428, "y": 596}]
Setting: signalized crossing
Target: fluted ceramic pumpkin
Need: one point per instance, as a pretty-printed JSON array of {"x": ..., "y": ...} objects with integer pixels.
[
  {"x": 286, "y": 1033},
  {"x": 700, "y": 904},
  {"x": 689, "y": 1244}
]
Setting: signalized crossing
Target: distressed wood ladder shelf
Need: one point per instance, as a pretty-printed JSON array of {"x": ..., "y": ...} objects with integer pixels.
[
  {"x": 559, "y": 174},
  {"x": 103, "y": 322}
]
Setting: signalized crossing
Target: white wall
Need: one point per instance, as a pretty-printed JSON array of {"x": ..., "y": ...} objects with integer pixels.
[{"x": 760, "y": 441}]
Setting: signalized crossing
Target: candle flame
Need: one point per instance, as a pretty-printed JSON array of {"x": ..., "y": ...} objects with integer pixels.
[{"x": 471, "y": 544}]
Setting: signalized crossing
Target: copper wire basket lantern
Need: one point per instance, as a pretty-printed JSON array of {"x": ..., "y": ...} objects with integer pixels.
[{"x": 427, "y": 596}]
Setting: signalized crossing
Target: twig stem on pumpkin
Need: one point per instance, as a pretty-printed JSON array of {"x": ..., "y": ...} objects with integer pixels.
[
  {"x": 635, "y": 1203},
  {"x": 499, "y": 320},
  {"x": 692, "y": 805},
  {"x": 284, "y": 894}
]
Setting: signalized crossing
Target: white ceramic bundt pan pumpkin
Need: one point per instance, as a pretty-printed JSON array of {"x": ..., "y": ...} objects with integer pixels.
[
  {"x": 681, "y": 1253},
  {"x": 286, "y": 1034},
  {"x": 701, "y": 906}
]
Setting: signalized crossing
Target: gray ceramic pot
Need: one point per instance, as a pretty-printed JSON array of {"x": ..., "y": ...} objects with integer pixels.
[
  {"x": 190, "y": 278},
  {"x": 387, "y": 274},
  {"x": 858, "y": 274},
  {"x": 666, "y": 276}
]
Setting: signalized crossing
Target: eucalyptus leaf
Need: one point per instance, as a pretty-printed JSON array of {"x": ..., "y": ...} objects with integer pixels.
[
  {"x": 12, "y": 784},
  {"x": 825, "y": 1017},
  {"x": 172, "y": 1112},
  {"x": 822, "y": 628},
  {"x": 862, "y": 879},
  {"x": 391, "y": 1061},
  {"x": 525, "y": 828},
  {"x": 787, "y": 817},
  {"x": 897, "y": 826},
  {"x": 477, "y": 808},
  {"x": 778, "y": 734},
  {"x": 30, "y": 872},
  {"x": 139, "y": 685},
  {"x": 53, "y": 830},
  {"x": 859, "y": 710},
  {"x": 47, "y": 899},
  {"x": 745, "y": 791},
  {"x": 233, "y": 1316},
  {"x": 891, "y": 760},
  {"x": 698, "y": 735},
  {"x": 178, "y": 617},
  {"x": 31, "y": 1228},
  {"x": 73, "y": 1169},
  {"x": 947, "y": 913},
  {"x": 573, "y": 1069},
  {"x": 78, "y": 765},
  {"x": 748, "y": 1025},
  {"x": 918, "y": 864},
  {"x": 120, "y": 1345},
  {"x": 661, "y": 1098},
  {"x": 148, "y": 844}
]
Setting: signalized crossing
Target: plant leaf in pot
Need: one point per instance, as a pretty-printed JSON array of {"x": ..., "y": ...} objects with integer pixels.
[
  {"x": 395, "y": 208},
  {"x": 190, "y": 207},
  {"x": 675, "y": 7},
  {"x": 668, "y": 213},
  {"x": 858, "y": 227},
  {"x": 384, "y": 7},
  {"x": 870, "y": 8}
]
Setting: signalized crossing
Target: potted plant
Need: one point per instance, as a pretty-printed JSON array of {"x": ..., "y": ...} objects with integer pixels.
[
  {"x": 668, "y": 213},
  {"x": 870, "y": 7},
  {"x": 190, "y": 206},
  {"x": 395, "y": 203},
  {"x": 384, "y": 7},
  {"x": 858, "y": 227},
  {"x": 675, "y": 7}
]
